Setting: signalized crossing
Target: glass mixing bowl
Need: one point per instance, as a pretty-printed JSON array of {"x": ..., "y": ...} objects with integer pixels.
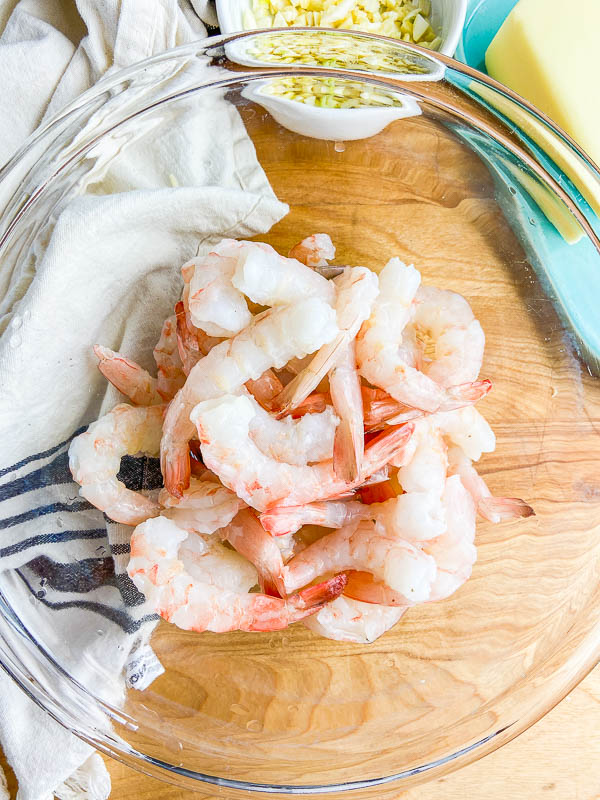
[{"x": 451, "y": 172}]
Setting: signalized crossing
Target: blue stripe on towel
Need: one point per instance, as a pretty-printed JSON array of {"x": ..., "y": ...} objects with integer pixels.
[
  {"x": 41, "y": 511},
  {"x": 51, "y": 538},
  {"x": 116, "y": 615},
  {"x": 44, "y": 454}
]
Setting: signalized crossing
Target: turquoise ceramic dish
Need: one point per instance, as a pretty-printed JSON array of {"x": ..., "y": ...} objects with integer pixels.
[{"x": 569, "y": 268}]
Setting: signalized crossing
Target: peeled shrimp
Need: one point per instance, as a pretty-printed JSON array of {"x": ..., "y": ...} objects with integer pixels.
[
  {"x": 215, "y": 304},
  {"x": 468, "y": 429},
  {"x": 95, "y": 460},
  {"x": 358, "y": 546},
  {"x": 204, "y": 508},
  {"x": 494, "y": 509},
  {"x": 249, "y": 538},
  {"x": 193, "y": 597},
  {"x": 314, "y": 251},
  {"x": 192, "y": 343},
  {"x": 128, "y": 377},
  {"x": 357, "y": 289},
  {"x": 282, "y": 520},
  {"x": 272, "y": 280},
  {"x": 295, "y": 441},
  {"x": 349, "y": 443},
  {"x": 416, "y": 515},
  {"x": 229, "y": 451},
  {"x": 453, "y": 552},
  {"x": 170, "y": 375},
  {"x": 272, "y": 339},
  {"x": 379, "y": 352},
  {"x": 447, "y": 318},
  {"x": 348, "y": 620}
]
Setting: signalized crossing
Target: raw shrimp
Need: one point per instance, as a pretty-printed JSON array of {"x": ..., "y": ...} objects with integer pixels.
[
  {"x": 358, "y": 546},
  {"x": 416, "y": 515},
  {"x": 272, "y": 280},
  {"x": 205, "y": 506},
  {"x": 195, "y": 598},
  {"x": 128, "y": 377},
  {"x": 447, "y": 318},
  {"x": 314, "y": 251},
  {"x": 380, "y": 356},
  {"x": 453, "y": 551},
  {"x": 379, "y": 406},
  {"x": 468, "y": 429},
  {"x": 228, "y": 450},
  {"x": 265, "y": 388},
  {"x": 215, "y": 305},
  {"x": 192, "y": 343},
  {"x": 349, "y": 442},
  {"x": 295, "y": 441},
  {"x": 170, "y": 375},
  {"x": 348, "y": 620},
  {"x": 282, "y": 520},
  {"x": 95, "y": 460},
  {"x": 272, "y": 339},
  {"x": 249, "y": 538},
  {"x": 357, "y": 289},
  {"x": 494, "y": 509}
]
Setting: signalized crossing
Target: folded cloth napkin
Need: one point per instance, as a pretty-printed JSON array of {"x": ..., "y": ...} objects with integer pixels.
[{"x": 108, "y": 272}]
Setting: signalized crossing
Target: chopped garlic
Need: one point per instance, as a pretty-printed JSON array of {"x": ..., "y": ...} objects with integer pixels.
[
  {"x": 401, "y": 19},
  {"x": 330, "y": 92}
]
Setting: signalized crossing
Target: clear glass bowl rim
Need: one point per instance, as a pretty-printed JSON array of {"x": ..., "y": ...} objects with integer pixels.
[{"x": 10, "y": 624}]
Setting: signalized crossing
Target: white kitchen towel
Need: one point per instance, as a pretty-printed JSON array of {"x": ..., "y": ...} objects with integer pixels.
[{"x": 106, "y": 269}]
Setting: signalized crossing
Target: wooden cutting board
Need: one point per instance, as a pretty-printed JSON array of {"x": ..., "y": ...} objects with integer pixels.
[{"x": 557, "y": 759}]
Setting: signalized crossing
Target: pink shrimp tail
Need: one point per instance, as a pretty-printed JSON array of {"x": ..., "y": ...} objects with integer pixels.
[
  {"x": 363, "y": 586},
  {"x": 465, "y": 394},
  {"x": 345, "y": 462},
  {"x": 280, "y": 520},
  {"x": 502, "y": 509},
  {"x": 315, "y": 403},
  {"x": 176, "y": 470},
  {"x": 314, "y": 597},
  {"x": 387, "y": 445},
  {"x": 297, "y": 606}
]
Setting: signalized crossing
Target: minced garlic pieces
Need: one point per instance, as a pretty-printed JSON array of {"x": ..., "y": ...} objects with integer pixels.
[
  {"x": 408, "y": 20},
  {"x": 330, "y": 92}
]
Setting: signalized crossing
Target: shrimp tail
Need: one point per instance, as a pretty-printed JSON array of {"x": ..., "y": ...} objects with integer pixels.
[
  {"x": 502, "y": 509},
  {"x": 128, "y": 377},
  {"x": 465, "y": 394},
  {"x": 307, "y": 381},
  {"x": 364, "y": 587},
  {"x": 345, "y": 462},
  {"x": 278, "y": 614},
  {"x": 315, "y": 403},
  {"x": 176, "y": 469},
  {"x": 187, "y": 343},
  {"x": 315, "y": 597},
  {"x": 387, "y": 445},
  {"x": 281, "y": 520}
]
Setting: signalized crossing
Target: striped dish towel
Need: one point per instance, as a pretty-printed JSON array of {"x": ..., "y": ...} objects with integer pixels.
[{"x": 104, "y": 269}]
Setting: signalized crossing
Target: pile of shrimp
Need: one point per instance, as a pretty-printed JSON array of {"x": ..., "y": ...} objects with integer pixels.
[{"x": 317, "y": 434}]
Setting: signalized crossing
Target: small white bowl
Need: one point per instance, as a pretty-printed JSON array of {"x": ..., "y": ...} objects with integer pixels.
[
  {"x": 447, "y": 17},
  {"x": 334, "y": 124}
]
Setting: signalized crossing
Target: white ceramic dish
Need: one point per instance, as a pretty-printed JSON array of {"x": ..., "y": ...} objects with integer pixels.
[
  {"x": 447, "y": 18},
  {"x": 336, "y": 124}
]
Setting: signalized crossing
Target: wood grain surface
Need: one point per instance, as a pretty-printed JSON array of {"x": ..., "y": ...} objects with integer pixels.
[{"x": 556, "y": 759}]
